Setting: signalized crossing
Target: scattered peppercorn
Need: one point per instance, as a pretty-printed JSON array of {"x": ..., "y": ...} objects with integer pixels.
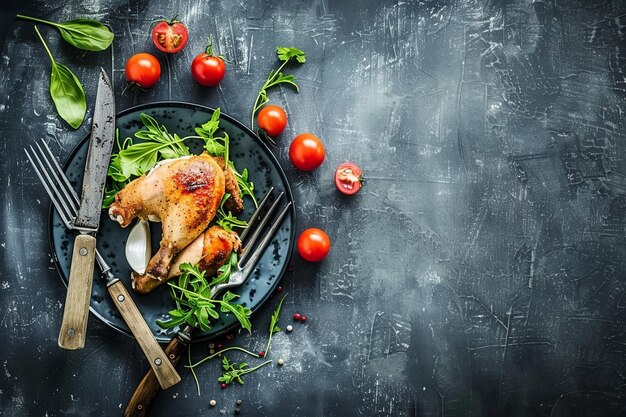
[
  {"x": 303, "y": 319},
  {"x": 289, "y": 328},
  {"x": 262, "y": 353},
  {"x": 211, "y": 351},
  {"x": 238, "y": 402},
  {"x": 211, "y": 345},
  {"x": 219, "y": 345},
  {"x": 296, "y": 316},
  {"x": 223, "y": 385},
  {"x": 281, "y": 361},
  {"x": 213, "y": 403},
  {"x": 229, "y": 337},
  {"x": 279, "y": 289},
  {"x": 237, "y": 410}
]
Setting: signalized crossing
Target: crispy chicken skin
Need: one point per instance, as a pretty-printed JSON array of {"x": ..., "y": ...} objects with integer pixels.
[
  {"x": 184, "y": 194},
  {"x": 210, "y": 251},
  {"x": 234, "y": 202}
]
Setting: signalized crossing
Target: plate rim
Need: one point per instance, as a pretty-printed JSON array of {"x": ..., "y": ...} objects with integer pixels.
[{"x": 281, "y": 173}]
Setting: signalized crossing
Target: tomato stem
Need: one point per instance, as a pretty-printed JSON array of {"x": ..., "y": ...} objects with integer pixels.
[{"x": 209, "y": 48}]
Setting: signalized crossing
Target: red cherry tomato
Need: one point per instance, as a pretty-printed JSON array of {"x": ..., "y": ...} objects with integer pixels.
[
  {"x": 143, "y": 69},
  {"x": 313, "y": 245},
  {"x": 348, "y": 178},
  {"x": 170, "y": 36},
  {"x": 208, "y": 70},
  {"x": 272, "y": 119},
  {"x": 307, "y": 152}
]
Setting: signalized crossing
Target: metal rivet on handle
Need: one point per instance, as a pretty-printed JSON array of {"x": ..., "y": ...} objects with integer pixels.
[
  {"x": 83, "y": 251},
  {"x": 157, "y": 361},
  {"x": 120, "y": 297},
  {"x": 71, "y": 332}
]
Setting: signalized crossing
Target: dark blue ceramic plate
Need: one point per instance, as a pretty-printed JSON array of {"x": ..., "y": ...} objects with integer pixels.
[{"x": 247, "y": 151}]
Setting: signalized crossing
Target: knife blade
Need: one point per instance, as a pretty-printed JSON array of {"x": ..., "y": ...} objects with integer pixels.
[{"x": 76, "y": 309}]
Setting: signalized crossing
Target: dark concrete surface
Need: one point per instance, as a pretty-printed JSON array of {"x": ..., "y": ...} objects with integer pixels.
[{"x": 480, "y": 272}]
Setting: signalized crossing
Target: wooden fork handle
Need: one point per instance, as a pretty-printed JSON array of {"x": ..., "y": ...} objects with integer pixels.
[
  {"x": 141, "y": 401},
  {"x": 161, "y": 367}
]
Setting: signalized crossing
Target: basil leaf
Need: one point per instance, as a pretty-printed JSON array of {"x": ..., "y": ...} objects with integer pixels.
[
  {"x": 66, "y": 91},
  {"x": 87, "y": 34},
  {"x": 68, "y": 95}
]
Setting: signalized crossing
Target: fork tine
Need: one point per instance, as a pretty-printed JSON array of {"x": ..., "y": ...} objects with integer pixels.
[
  {"x": 58, "y": 185},
  {"x": 57, "y": 174},
  {"x": 61, "y": 174},
  {"x": 257, "y": 232},
  {"x": 48, "y": 184},
  {"x": 255, "y": 215},
  {"x": 258, "y": 251}
]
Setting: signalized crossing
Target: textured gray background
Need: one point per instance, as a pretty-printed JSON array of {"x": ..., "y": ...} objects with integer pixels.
[{"x": 481, "y": 270}]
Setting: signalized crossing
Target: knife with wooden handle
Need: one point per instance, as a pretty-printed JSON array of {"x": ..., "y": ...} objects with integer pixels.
[
  {"x": 76, "y": 309},
  {"x": 141, "y": 401}
]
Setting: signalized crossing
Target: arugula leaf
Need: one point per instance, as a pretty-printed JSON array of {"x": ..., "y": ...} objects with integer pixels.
[
  {"x": 194, "y": 303},
  {"x": 227, "y": 220},
  {"x": 234, "y": 371},
  {"x": 285, "y": 55},
  {"x": 240, "y": 312},
  {"x": 245, "y": 186},
  {"x": 273, "y": 323}
]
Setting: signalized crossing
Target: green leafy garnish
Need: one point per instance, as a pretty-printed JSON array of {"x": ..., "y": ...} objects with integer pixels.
[
  {"x": 214, "y": 145},
  {"x": 87, "y": 34},
  {"x": 245, "y": 185},
  {"x": 285, "y": 55},
  {"x": 66, "y": 91},
  {"x": 234, "y": 371},
  {"x": 195, "y": 304},
  {"x": 273, "y": 324},
  {"x": 226, "y": 219}
]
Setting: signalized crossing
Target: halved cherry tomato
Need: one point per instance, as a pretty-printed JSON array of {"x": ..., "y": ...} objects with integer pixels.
[
  {"x": 170, "y": 36},
  {"x": 307, "y": 152},
  {"x": 313, "y": 245},
  {"x": 272, "y": 119},
  {"x": 348, "y": 178},
  {"x": 143, "y": 69}
]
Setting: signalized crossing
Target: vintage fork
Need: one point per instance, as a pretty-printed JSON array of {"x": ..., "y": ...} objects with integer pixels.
[
  {"x": 66, "y": 202},
  {"x": 147, "y": 389}
]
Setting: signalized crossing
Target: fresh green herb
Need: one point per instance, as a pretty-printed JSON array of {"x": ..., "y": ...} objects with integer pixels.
[
  {"x": 285, "y": 55},
  {"x": 234, "y": 371},
  {"x": 136, "y": 159},
  {"x": 214, "y": 145},
  {"x": 219, "y": 353},
  {"x": 227, "y": 220},
  {"x": 224, "y": 271},
  {"x": 87, "y": 34},
  {"x": 193, "y": 372},
  {"x": 195, "y": 304},
  {"x": 245, "y": 185},
  {"x": 273, "y": 324},
  {"x": 66, "y": 91}
]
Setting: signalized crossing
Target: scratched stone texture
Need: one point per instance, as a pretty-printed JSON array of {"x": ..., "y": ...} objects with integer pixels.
[{"x": 480, "y": 272}]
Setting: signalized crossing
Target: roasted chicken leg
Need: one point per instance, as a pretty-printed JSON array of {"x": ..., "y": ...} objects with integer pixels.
[
  {"x": 184, "y": 194},
  {"x": 209, "y": 251}
]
